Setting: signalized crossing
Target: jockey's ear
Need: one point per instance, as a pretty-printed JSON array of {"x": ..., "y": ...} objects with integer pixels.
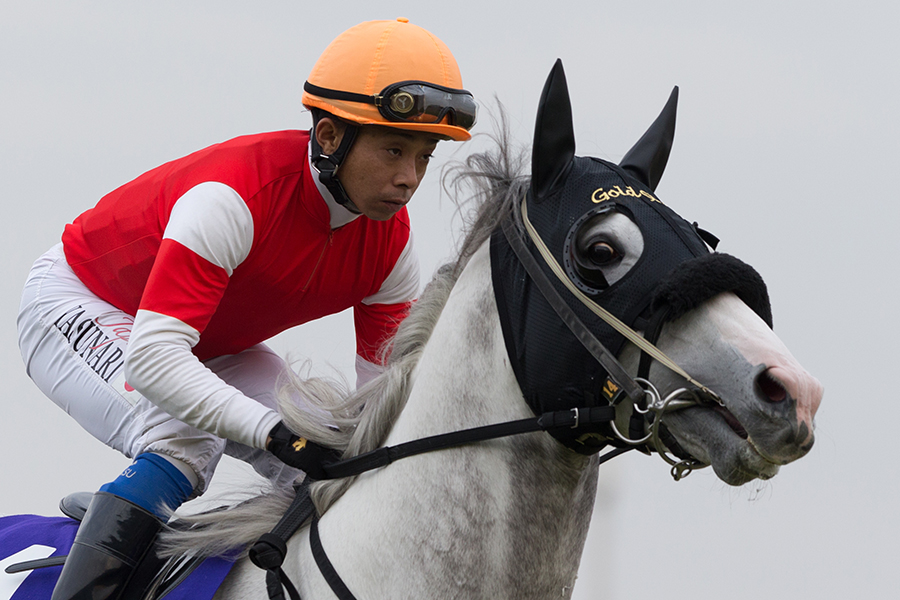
[{"x": 329, "y": 132}]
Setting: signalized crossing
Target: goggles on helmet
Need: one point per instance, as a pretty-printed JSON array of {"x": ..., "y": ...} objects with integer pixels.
[{"x": 413, "y": 102}]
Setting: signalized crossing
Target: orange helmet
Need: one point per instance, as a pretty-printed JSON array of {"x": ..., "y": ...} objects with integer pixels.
[{"x": 392, "y": 73}]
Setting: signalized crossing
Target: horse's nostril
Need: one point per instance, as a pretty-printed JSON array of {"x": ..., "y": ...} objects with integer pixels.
[{"x": 771, "y": 388}]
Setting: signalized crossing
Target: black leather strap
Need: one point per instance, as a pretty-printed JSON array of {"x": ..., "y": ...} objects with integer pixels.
[
  {"x": 338, "y": 94},
  {"x": 651, "y": 333},
  {"x": 388, "y": 454},
  {"x": 567, "y": 315},
  {"x": 30, "y": 565},
  {"x": 325, "y": 567},
  {"x": 269, "y": 550},
  {"x": 331, "y": 575}
]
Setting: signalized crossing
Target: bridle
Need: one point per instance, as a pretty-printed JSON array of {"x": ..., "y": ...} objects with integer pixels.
[
  {"x": 648, "y": 408},
  {"x": 647, "y": 405}
]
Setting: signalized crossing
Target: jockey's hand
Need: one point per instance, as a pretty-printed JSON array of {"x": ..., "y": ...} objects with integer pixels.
[{"x": 299, "y": 452}]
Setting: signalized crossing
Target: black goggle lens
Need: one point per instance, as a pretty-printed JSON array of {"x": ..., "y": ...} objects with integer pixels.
[
  {"x": 413, "y": 102},
  {"x": 418, "y": 103}
]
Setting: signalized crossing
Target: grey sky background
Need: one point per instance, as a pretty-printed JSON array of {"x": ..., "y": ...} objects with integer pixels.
[{"x": 786, "y": 148}]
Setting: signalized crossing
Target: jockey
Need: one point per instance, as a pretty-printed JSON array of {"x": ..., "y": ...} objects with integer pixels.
[{"x": 147, "y": 322}]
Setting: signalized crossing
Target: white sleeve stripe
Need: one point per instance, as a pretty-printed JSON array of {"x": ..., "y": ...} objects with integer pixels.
[
  {"x": 402, "y": 284},
  {"x": 160, "y": 365},
  {"x": 153, "y": 327},
  {"x": 213, "y": 221}
]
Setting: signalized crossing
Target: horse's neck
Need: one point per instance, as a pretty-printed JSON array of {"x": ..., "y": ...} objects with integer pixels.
[{"x": 498, "y": 519}]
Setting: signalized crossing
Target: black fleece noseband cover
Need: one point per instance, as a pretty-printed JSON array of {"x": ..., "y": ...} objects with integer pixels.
[{"x": 698, "y": 280}]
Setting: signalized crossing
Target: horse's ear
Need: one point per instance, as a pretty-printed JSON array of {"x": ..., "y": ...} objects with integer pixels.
[
  {"x": 647, "y": 160},
  {"x": 554, "y": 137}
]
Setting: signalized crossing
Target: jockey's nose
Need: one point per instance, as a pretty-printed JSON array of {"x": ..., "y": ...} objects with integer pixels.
[{"x": 407, "y": 174}]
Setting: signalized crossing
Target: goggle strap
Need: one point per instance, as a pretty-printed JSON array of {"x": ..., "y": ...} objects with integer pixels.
[
  {"x": 339, "y": 95},
  {"x": 378, "y": 100},
  {"x": 375, "y": 99}
]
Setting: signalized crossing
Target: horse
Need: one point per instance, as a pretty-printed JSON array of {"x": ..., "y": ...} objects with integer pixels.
[
  {"x": 576, "y": 292},
  {"x": 507, "y": 518}
]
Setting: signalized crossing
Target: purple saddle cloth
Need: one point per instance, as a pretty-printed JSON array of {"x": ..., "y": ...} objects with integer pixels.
[{"x": 31, "y": 537}]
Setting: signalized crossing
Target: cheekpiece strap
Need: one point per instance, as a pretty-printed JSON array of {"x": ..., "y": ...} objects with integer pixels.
[
  {"x": 610, "y": 319},
  {"x": 603, "y": 356}
]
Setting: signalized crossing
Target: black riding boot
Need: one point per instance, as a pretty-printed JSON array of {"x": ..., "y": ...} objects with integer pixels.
[{"x": 112, "y": 539}]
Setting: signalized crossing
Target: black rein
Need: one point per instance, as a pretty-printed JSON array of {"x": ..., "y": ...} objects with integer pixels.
[{"x": 269, "y": 551}]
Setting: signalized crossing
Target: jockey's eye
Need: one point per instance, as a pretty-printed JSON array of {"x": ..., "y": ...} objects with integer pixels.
[{"x": 601, "y": 253}]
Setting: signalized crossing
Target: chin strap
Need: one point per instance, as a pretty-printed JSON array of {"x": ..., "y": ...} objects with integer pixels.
[{"x": 327, "y": 165}]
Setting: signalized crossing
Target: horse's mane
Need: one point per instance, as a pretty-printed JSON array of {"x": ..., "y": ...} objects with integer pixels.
[{"x": 489, "y": 184}]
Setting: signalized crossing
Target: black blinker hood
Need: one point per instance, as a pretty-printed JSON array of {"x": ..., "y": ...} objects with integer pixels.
[{"x": 553, "y": 369}]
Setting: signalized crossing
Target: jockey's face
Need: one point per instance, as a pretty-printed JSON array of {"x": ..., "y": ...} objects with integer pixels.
[{"x": 383, "y": 168}]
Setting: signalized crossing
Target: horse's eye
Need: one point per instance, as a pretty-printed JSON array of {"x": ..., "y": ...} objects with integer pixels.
[{"x": 601, "y": 253}]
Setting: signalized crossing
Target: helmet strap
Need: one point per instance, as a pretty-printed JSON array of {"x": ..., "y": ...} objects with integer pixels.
[{"x": 328, "y": 164}]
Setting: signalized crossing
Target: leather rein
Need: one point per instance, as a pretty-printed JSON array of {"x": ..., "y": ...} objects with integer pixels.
[{"x": 647, "y": 405}]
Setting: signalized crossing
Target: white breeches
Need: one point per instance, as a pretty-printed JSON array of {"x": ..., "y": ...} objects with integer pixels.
[{"x": 73, "y": 344}]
